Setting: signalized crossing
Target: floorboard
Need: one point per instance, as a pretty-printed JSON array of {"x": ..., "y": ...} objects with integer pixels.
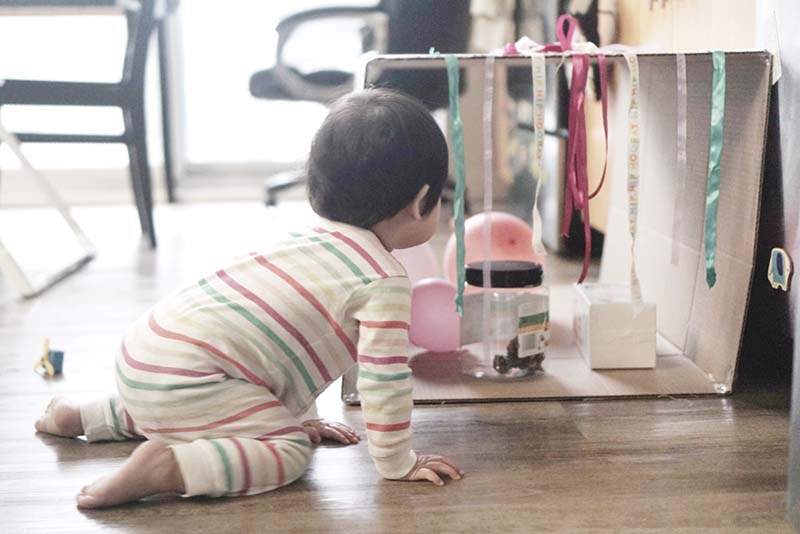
[{"x": 705, "y": 464}]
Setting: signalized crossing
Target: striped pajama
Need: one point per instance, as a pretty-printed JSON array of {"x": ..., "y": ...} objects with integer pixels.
[{"x": 224, "y": 368}]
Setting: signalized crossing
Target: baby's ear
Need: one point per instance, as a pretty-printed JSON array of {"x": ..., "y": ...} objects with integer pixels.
[{"x": 416, "y": 206}]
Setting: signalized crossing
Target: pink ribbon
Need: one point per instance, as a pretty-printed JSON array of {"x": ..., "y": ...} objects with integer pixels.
[{"x": 577, "y": 194}]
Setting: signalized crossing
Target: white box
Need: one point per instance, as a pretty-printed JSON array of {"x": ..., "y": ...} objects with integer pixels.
[{"x": 611, "y": 331}]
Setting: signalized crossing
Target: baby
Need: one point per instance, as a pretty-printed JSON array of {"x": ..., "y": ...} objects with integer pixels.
[{"x": 221, "y": 377}]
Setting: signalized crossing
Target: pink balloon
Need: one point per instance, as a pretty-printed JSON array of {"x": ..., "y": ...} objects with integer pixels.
[
  {"x": 435, "y": 325},
  {"x": 511, "y": 240},
  {"x": 419, "y": 262}
]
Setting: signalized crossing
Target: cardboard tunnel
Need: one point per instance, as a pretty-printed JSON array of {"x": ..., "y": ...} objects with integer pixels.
[{"x": 699, "y": 328}]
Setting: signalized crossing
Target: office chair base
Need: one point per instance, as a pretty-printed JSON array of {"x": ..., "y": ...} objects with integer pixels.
[{"x": 278, "y": 182}]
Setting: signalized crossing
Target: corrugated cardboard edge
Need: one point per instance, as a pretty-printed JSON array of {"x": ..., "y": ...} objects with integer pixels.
[{"x": 770, "y": 60}]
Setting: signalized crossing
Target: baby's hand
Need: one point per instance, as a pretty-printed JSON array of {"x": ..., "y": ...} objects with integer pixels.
[
  {"x": 317, "y": 429},
  {"x": 430, "y": 466}
]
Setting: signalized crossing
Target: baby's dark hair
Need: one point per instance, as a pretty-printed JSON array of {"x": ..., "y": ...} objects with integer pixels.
[{"x": 373, "y": 153}]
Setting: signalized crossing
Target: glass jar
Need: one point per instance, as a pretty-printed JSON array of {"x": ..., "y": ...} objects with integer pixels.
[{"x": 505, "y": 329}]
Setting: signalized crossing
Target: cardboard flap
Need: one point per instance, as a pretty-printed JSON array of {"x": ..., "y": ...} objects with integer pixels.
[{"x": 706, "y": 324}]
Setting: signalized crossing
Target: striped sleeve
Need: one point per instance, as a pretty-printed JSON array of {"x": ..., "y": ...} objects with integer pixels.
[{"x": 382, "y": 310}]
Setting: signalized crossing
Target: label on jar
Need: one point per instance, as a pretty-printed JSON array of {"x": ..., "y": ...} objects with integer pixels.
[{"x": 533, "y": 330}]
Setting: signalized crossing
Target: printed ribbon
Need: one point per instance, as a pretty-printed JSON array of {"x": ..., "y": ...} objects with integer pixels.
[
  {"x": 457, "y": 134},
  {"x": 488, "y": 198},
  {"x": 633, "y": 167},
  {"x": 680, "y": 155},
  {"x": 539, "y": 87},
  {"x": 714, "y": 156},
  {"x": 576, "y": 191}
]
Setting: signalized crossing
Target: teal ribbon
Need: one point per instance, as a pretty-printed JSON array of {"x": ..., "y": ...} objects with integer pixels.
[
  {"x": 457, "y": 139},
  {"x": 714, "y": 156}
]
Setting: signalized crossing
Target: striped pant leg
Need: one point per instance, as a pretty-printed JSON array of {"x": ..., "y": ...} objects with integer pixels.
[
  {"x": 108, "y": 420},
  {"x": 229, "y": 438},
  {"x": 241, "y": 465}
]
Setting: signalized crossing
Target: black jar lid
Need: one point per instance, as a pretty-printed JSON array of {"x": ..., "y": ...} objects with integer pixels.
[{"x": 506, "y": 273}]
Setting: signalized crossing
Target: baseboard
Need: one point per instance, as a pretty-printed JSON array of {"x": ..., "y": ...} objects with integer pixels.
[{"x": 200, "y": 182}]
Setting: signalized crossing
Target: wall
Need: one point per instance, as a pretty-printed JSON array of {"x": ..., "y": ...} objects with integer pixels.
[
  {"x": 685, "y": 25},
  {"x": 675, "y": 26},
  {"x": 782, "y": 214}
]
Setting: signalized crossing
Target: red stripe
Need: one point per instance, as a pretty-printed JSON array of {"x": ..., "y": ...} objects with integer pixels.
[
  {"x": 245, "y": 466},
  {"x": 129, "y": 422},
  {"x": 385, "y": 360},
  {"x": 314, "y": 302},
  {"x": 136, "y": 364},
  {"x": 231, "y": 419},
  {"x": 251, "y": 376},
  {"x": 278, "y": 461},
  {"x": 388, "y": 428},
  {"x": 279, "y": 319},
  {"x": 385, "y": 324},
  {"x": 355, "y": 246},
  {"x": 281, "y": 432}
]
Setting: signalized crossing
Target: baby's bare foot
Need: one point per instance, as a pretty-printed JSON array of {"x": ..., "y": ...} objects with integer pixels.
[
  {"x": 150, "y": 470},
  {"x": 61, "y": 418}
]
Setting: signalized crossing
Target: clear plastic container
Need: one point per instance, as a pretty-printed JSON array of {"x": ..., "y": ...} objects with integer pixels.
[{"x": 506, "y": 330}]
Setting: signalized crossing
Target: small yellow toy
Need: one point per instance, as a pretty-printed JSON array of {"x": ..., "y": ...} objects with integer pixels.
[{"x": 52, "y": 361}]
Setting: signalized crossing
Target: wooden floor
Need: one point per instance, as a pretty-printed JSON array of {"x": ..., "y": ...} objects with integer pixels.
[{"x": 706, "y": 464}]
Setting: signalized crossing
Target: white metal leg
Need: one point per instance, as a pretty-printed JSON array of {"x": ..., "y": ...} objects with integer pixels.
[{"x": 8, "y": 265}]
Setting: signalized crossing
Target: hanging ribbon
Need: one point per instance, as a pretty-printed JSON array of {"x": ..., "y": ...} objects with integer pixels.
[
  {"x": 576, "y": 191},
  {"x": 633, "y": 167},
  {"x": 488, "y": 198},
  {"x": 539, "y": 87},
  {"x": 680, "y": 156},
  {"x": 601, "y": 62},
  {"x": 714, "y": 156},
  {"x": 457, "y": 135}
]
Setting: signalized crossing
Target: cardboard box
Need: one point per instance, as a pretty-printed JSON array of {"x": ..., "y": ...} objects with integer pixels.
[
  {"x": 612, "y": 332},
  {"x": 699, "y": 330}
]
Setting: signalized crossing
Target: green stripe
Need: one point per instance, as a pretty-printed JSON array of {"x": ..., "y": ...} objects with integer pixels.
[
  {"x": 227, "y": 463},
  {"x": 306, "y": 443},
  {"x": 338, "y": 253},
  {"x": 287, "y": 374},
  {"x": 384, "y": 378},
  {"x": 334, "y": 274},
  {"x": 216, "y": 390},
  {"x": 135, "y": 384},
  {"x": 382, "y": 308},
  {"x": 365, "y": 296},
  {"x": 264, "y": 328},
  {"x": 300, "y": 266},
  {"x": 401, "y": 289},
  {"x": 114, "y": 415},
  {"x": 391, "y": 394}
]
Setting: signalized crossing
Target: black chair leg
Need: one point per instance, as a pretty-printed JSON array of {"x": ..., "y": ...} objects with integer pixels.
[
  {"x": 166, "y": 119},
  {"x": 135, "y": 184},
  {"x": 278, "y": 182},
  {"x": 140, "y": 170}
]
